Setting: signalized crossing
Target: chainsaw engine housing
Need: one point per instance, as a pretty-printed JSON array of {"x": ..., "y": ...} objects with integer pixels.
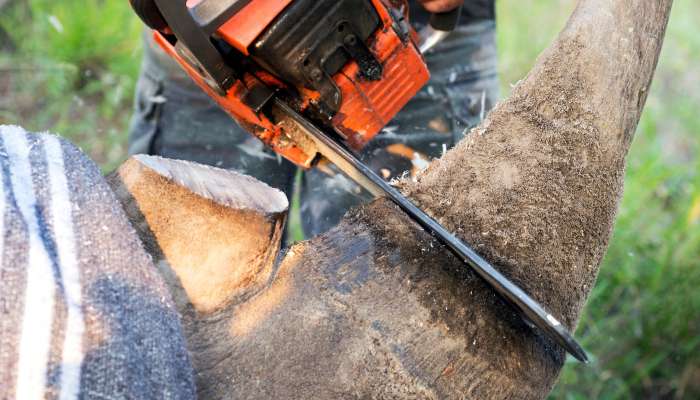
[{"x": 347, "y": 65}]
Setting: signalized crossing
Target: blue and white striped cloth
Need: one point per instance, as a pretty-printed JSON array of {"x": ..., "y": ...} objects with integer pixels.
[{"x": 83, "y": 311}]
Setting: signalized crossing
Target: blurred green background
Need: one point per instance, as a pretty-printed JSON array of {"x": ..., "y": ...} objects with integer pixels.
[{"x": 70, "y": 66}]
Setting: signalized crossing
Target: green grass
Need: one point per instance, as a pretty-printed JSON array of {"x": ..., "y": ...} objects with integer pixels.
[
  {"x": 72, "y": 71},
  {"x": 642, "y": 323}
]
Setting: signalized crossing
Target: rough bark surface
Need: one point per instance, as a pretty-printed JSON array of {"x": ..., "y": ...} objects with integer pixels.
[{"x": 377, "y": 309}]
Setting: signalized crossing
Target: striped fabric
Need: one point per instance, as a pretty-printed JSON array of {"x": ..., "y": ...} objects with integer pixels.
[{"x": 84, "y": 313}]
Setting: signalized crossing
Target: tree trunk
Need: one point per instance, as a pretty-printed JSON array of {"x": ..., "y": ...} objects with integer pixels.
[{"x": 377, "y": 309}]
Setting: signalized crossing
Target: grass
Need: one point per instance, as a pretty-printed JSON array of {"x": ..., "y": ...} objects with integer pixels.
[{"x": 73, "y": 70}]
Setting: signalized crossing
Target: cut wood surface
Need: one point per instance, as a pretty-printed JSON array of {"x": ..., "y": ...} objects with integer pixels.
[
  {"x": 214, "y": 233},
  {"x": 377, "y": 309}
]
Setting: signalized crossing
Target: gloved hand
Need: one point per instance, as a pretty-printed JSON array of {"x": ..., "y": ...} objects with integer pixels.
[{"x": 440, "y": 6}]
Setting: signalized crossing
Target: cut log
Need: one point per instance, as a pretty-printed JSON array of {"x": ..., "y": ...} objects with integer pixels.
[
  {"x": 376, "y": 309},
  {"x": 214, "y": 233}
]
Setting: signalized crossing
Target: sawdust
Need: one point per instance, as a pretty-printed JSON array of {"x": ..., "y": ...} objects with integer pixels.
[{"x": 460, "y": 305}]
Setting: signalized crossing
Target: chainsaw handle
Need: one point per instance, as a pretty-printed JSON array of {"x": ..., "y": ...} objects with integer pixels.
[{"x": 446, "y": 21}]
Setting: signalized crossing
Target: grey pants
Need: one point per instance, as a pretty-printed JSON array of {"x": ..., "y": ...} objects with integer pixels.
[{"x": 174, "y": 118}]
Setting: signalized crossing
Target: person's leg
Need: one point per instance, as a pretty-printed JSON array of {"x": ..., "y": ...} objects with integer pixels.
[
  {"x": 174, "y": 118},
  {"x": 462, "y": 89}
]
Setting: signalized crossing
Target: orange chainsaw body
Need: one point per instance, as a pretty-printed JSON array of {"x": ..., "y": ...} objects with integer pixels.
[{"x": 365, "y": 106}]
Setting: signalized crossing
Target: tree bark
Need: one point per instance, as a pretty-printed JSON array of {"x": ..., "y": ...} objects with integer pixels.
[{"x": 377, "y": 309}]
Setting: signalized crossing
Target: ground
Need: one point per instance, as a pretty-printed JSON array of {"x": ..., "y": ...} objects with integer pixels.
[{"x": 70, "y": 67}]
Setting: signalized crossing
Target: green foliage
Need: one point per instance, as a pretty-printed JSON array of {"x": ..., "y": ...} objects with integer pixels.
[
  {"x": 525, "y": 28},
  {"x": 94, "y": 35},
  {"x": 73, "y": 70},
  {"x": 75, "y": 64}
]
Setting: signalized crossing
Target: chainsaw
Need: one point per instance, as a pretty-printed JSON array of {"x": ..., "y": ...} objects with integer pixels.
[{"x": 317, "y": 80}]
